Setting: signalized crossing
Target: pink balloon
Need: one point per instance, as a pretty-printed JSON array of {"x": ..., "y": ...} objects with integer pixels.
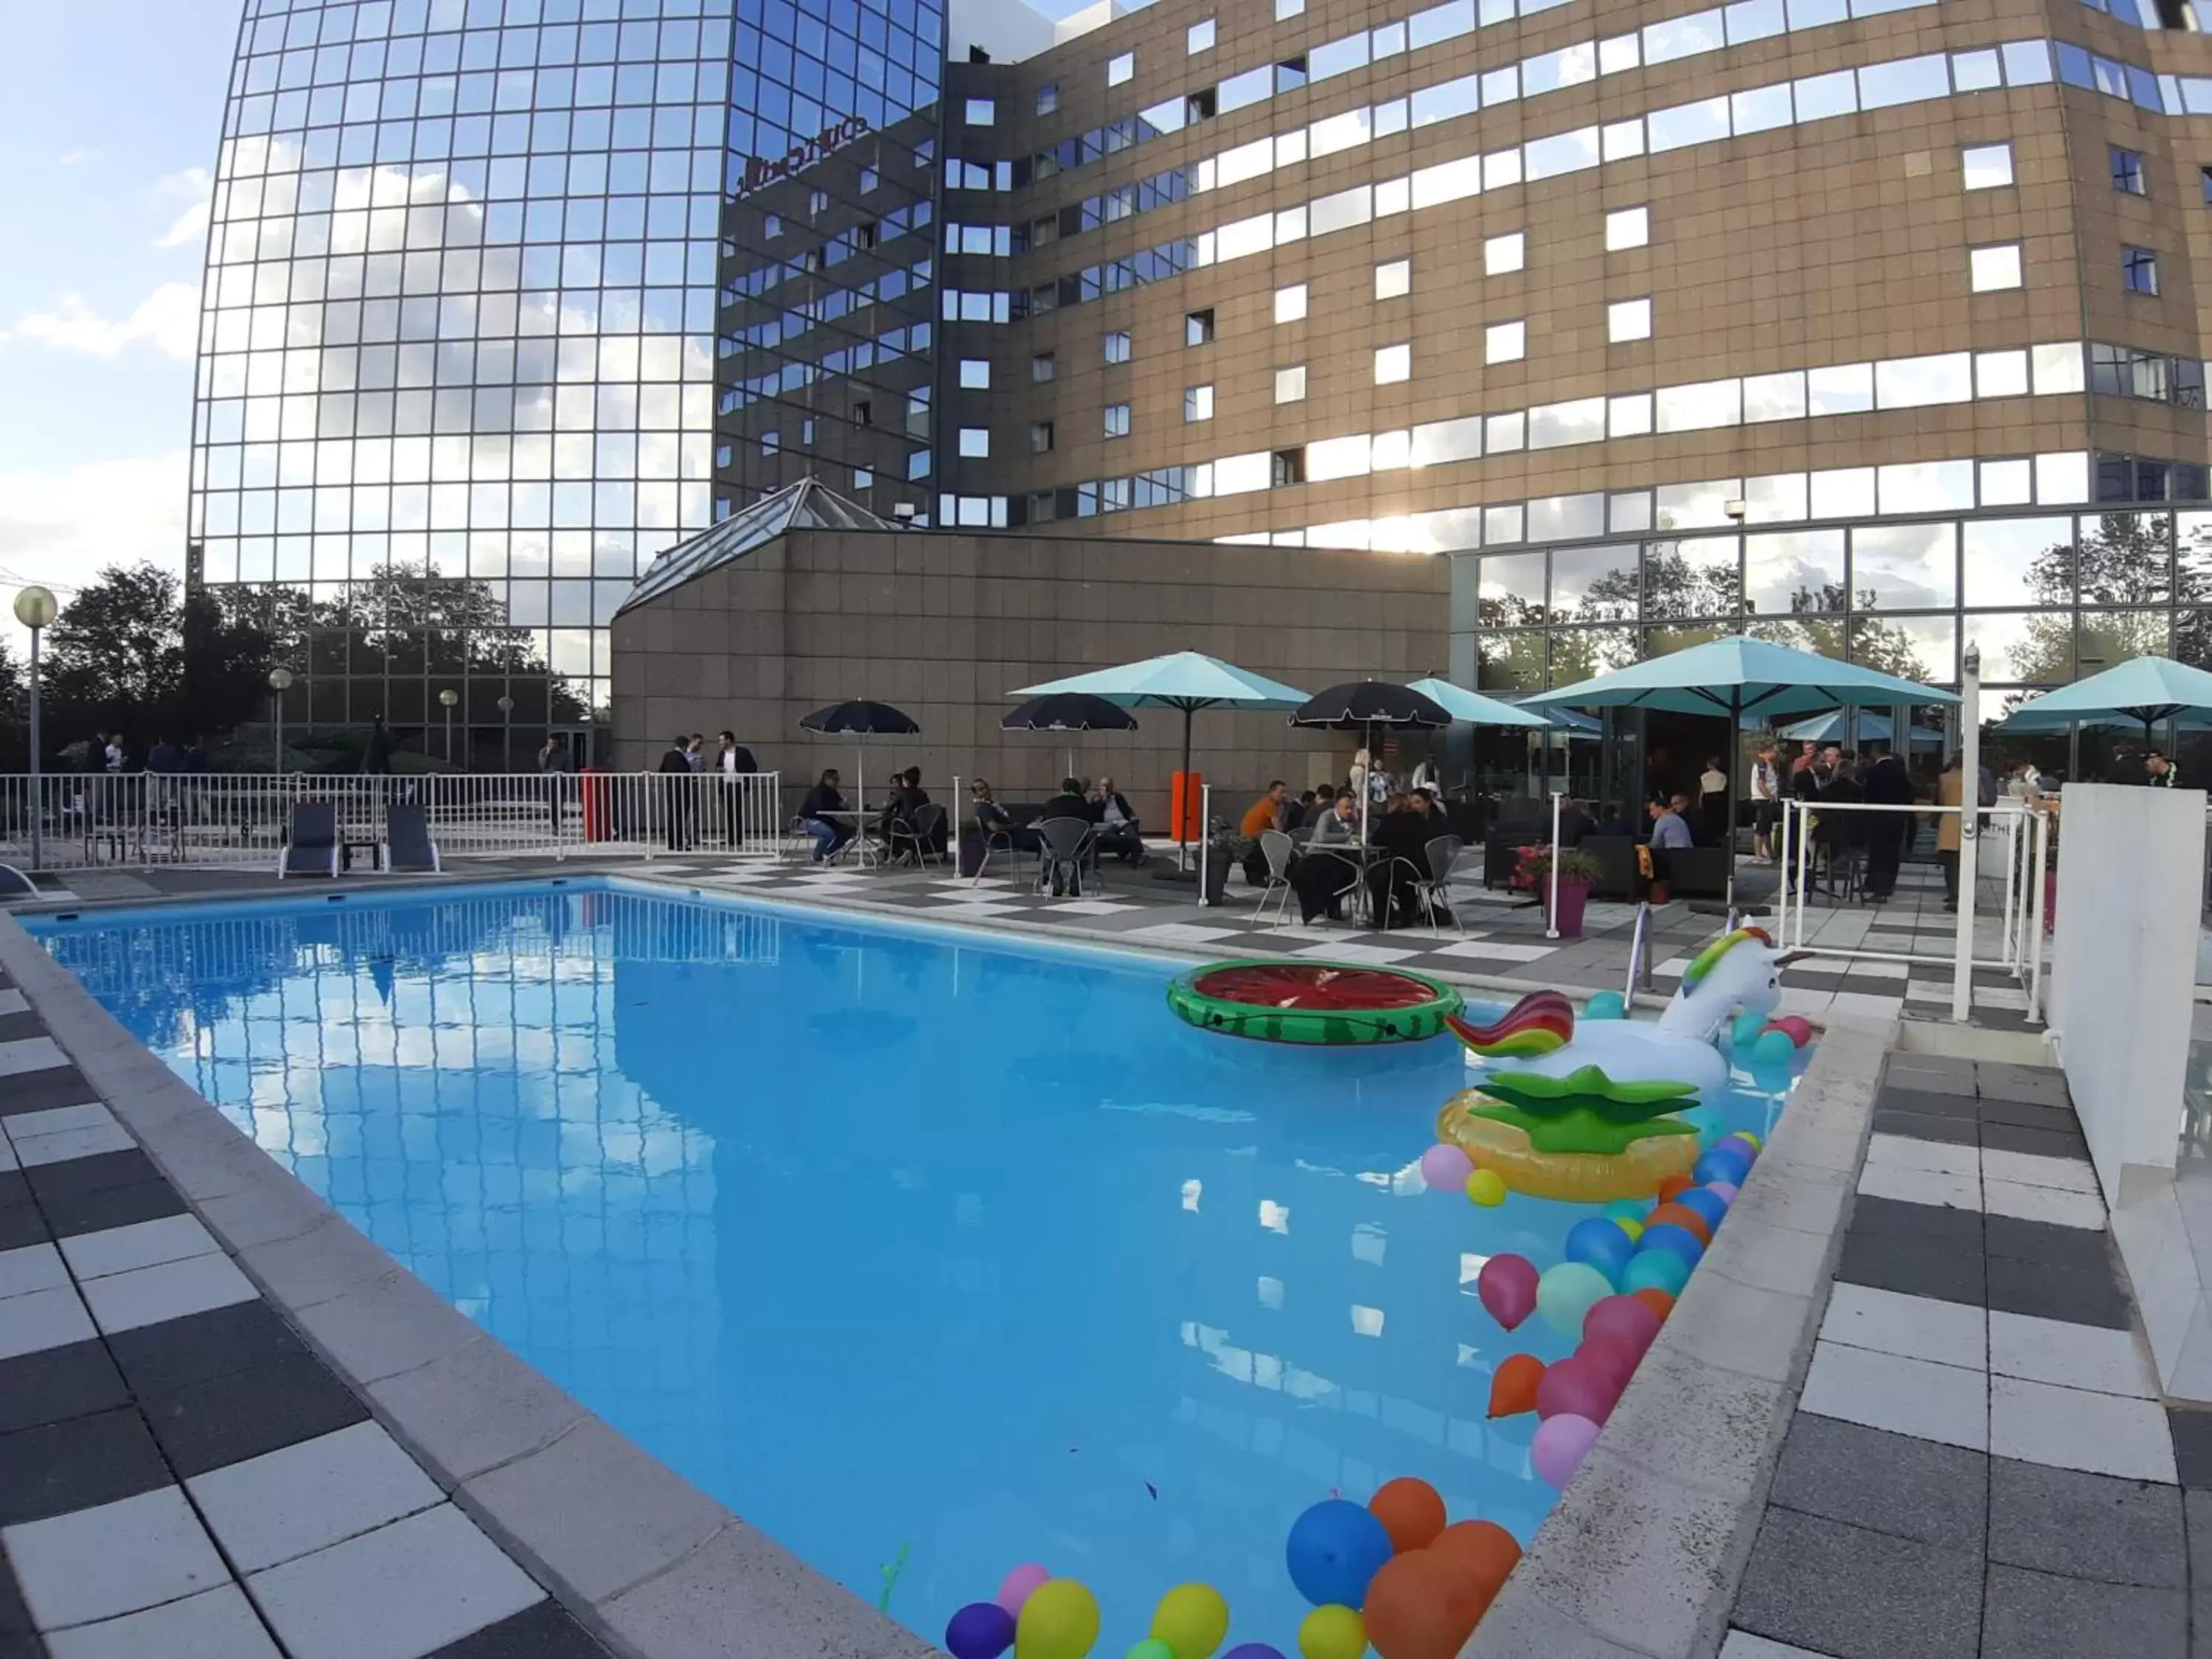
[
  {"x": 1723, "y": 1190},
  {"x": 1446, "y": 1169},
  {"x": 1507, "y": 1286},
  {"x": 1014, "y": 1589},
  {"x": 1579, "y": 1387},
  {"x": 1624, "y": 1317},
  {"x": 1617, "y": 1357},
  {"x": 1560, "y": 1447},
  {"x": 1795, "y": 1027}
]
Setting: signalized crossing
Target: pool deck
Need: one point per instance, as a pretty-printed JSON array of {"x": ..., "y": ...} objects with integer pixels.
[{"x": 1902, "y": 1412}]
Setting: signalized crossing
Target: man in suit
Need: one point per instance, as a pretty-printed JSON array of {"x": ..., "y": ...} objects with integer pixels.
[
  {"x": 732, "y": 761},
  {"x": 1887, "y": 784},
  {"x": 675, "y": 793}
]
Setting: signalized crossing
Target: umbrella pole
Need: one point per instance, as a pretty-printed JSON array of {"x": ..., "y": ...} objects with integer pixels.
[{"x": 1734, "y": 752}]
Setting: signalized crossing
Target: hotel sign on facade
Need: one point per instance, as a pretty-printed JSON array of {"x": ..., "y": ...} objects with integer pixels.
[{"x": 767, "y": 169}]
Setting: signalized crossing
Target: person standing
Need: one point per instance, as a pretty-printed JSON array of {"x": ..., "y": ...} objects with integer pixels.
[
  {"x": 676, "y": 772},
  {"x": 1712, "y": 800},
  {"x": 1765, "y": 804},
  {"x": 1950, "y": 791},
  {"x": 735, "y": 763},
  {"x": 553, "y": 763},
  {"x": 1887, "y": 784},
  {"x": 2160, "y": 772}
]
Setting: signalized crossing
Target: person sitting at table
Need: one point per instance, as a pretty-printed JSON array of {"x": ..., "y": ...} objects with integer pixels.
[
  {"x": 1574, "y": 823},
  {"x": 1324, "y": 873},
  {"x": 1401, "y": 836},
  {"x": 1297, "y": 812},
  {"x": 1615, "y": 822},
  {"x": 1067, "y": 804},
  {"x": 1669, "y": 829},
  {"x": 1265, "y": 813},
  {"x": 1117, "y": 824},
  {"x": 816, "y": 816},
  {"x": 993, "y": 819}
]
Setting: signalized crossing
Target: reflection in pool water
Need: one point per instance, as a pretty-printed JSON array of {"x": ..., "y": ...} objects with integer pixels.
[{"x": 886, "y": 1239}]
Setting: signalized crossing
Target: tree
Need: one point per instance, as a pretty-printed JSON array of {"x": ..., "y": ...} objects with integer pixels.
[{"x": 130, "y": 653}]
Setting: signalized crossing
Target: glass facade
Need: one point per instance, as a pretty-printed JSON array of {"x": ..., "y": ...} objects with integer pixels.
[{"x": 457, "y": 376}]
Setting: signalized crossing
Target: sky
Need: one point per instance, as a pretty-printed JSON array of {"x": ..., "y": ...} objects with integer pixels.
[{"x": 109, "y": 112}]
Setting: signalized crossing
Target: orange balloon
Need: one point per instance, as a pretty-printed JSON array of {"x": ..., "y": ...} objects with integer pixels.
[
  {"x": 1660, "y": 1302},
  {"x": 1418, "y": 1607},
  {"x": 1411, "y": 1511},
  {"x": 1513, "y": 1389},
  {"x": 1481, "y": 1551},
  {"x": 1673, "y": 1188},
  {"x": 1684, "y": 1218}
]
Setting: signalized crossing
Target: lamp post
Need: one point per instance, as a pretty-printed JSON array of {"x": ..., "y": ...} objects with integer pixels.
[
  {"x": 35, "y": 610},
  {"x": 280, "y": 682},
  {"x": 449, "y": 698},
  {"x": 506, "y": 733}
]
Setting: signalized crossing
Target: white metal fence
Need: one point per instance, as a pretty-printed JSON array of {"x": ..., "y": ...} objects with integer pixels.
[{"x": 241, "y": 820}]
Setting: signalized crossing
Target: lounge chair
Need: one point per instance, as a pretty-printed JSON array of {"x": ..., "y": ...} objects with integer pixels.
[
  {"x": 311, "y": 848},
  {"x": 407, "y": 843}
]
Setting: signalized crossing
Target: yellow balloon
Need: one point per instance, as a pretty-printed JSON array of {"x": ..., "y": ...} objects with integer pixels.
[
  {"x": 1634, "y": 1228},
  {"x": 1332, "y": 1632},
  {"x": 1059, "y": 1621},
  {"x": 1486, "y": 1188},
  {"x": 1191, "y": 1618},
  {"x": 1751, "y": 1139}
]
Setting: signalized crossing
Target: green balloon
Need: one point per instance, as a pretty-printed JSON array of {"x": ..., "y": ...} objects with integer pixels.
[{"x": 1151, "y": 1648}]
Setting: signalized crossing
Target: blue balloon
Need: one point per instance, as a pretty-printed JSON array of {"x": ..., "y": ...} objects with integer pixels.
[
  {"x": 1707, "y": 1206},
  {"x": 1600, "y": 1245},
  {"x": 981, "y": 1630},
  {"x": 1721, "y": 1163},
  {"x": 1604, "y": 1005},
  {"x": 1335, "y": 1549},
  {"x": 1675, "y": 1241},
  {"x": 1773, "y": 1048},
  {"x": 1628, "y": 1209},
  {"x": 1745, "y": 1030},
  {"x": 1656, "y": 1270}
]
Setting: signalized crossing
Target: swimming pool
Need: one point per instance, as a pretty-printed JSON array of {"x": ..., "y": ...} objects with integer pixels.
[{"x": 894, "y": 1241}]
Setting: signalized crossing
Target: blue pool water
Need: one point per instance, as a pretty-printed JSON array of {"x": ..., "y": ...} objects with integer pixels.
[{"x": 888, "y": 1239}]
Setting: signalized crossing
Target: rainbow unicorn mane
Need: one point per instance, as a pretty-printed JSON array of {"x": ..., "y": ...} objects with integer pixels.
[
  {"x": 1540, "y": 1023},
  {"x": 1703, "y": 963}
]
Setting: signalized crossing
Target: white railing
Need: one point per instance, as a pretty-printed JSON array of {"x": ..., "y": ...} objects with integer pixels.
[{"x": 76, "y": 821}]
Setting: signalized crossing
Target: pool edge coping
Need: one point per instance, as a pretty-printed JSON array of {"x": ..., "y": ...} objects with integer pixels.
[
  {"x": 650, "y": 1563},
  {"x": 1641, "y": 1556}
]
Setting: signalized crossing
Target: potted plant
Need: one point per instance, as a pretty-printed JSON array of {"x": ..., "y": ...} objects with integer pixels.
[
  {"x": 1578, "y": 869},
  {"x": 1224, "y": 849}
]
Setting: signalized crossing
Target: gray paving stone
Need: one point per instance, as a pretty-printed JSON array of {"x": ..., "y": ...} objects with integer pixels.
[
  {"x": 2043, "y": 1143},
  {"x": 1914, "y": 1266},
  {"x": 1924, "y": 1126},
  {"x": 1809, "y": 1580},
  {"x": 2196, "y": 1509},
  {"x": 2060, "y": 1120},
  {"x": 2039, "y": 1615},
  {"x": 1934, "y": 1073},
  {"x": 2087, "y": 1526},
  {"x": 2041, "y": 1085},
  {"x": 1927, "y": 1103},
  {"x": 2043, "y": 1292},
  {"x": 1892, "y": 1483}
]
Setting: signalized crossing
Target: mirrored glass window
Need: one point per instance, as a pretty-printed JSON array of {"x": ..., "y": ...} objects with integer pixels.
[
  {"x": 1913, "y": 567},
  {"x": 1790, "y": 573},
  {"x": 2017, "y": 561}
]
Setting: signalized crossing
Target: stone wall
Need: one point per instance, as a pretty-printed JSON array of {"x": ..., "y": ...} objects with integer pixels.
[{"x": 944, "y": 624}]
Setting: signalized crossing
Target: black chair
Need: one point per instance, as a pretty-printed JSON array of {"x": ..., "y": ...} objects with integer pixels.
[
  {"x": 1616, "y": 858},
  {"x": 1443, "y": 853},
  {"x": 921, "y": 838},
  {"x": 407, "y": 843},
  {"x": 312, "y": 847},
  {"x": 1062, "y": 845},
  {"x": 1697, "y": 872}
]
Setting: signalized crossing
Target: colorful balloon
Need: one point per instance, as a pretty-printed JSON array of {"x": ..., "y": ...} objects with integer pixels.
[
  {"x": 1615, "y": 1357},
  {"x": 1333, "y": 1633},
  {"x": 1335, "y": 1547},
  {"x": 1560, "y": 1447},
  {"x": 1576, "y": 1387},
  {"x": 1703, "y": 1203},
  {"x": 1601, "y": 1245},
  {"x": 1446, "y": 1167},
  {"x": 1656, "y": 1270},
  {"x": 1799, "y": 1029},
  {"x": 1016, "y": 1586},
  {"x": 1773, "y": 1048},
  {"x": 1656, "y": 1297},
  {"x": 1151, "y": 1648},
  {"x": 1411, "y": 1511},
  {"x": 1745, "y": 1029},
  {"x": 1678, "y": 1214},
  {"x": 1625, "y": 1209},
  {"x": 1060, "y": 1620},
  {"x": 1513, "y": 1389},
  {"x": 1623, "y": 1317},
  {"x": 1676, "y": 1240},
  {"x": 1724, "y": 1162},
  {"x": 1566, "y": 1293},
  {"x": 1604, "y": 1005},
  {"x": 981, "y": 1630},
  {"x": 1507, "y": 1286},
  {"x": 1634, "y": 1228},
  {"x": 1723, "y": 1190},
  {"x": 1674, "y": 1184},
  {"x": 1751, "y": 1142},
  {"x": 1419, "y": 1607},
  {"x": 1191, "y": 1618},
  {"x": 1481, "y": 1550},
  {"x": 1252, "y": 1650},
  {"x": 1486, "y": 1187}
]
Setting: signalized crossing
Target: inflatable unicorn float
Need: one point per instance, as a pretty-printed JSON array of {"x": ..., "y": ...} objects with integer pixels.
[{"x": 1588, "y": 1110}]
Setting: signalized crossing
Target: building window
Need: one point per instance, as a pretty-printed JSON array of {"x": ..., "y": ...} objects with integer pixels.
[
  {"x": 771, "y": 442},
  {"x": 1047, "y": 97},
  {"x": 863, "y": 413},
  {"x": 1291, "y": 303},
  {"x": 976, "y": 442},
  {"x": 1198, "y": 327},
  {"x": 2128, "y": 172},
  {"x": 974, "y": 374},
  {"x": 1628, "y": 319},
  {"x": 1042, "y": 367},
  {"x": 1395, "y": 280},
  {"x": 1502, "y": 254},
  {"x": 1198, "y": 402},
  {"x": 982, "y": 112},
  {"x": 1392, "y": 363},
  {"x": 1117, "y": 419},
  {"x": 1199, "y": 37},
  {"x": 1119, "y": 68},
  {"x": 1040, "y": 437},
  {"x": 1627, "y": 229},
  {"x": 772, "y": 224},
  {"x": 1203, "y": 105},
  {"x": 1287, "y": 9},
  {"x": 1994, "y": 267},
  {"x": 2205, "y": 184},
  {"x": 1986, "y": 166},
  {"x": 1505, "y": 342},
  {"x": 818, "y": 204},
  {"x": 2138, "y": 270},
  {"x": 1290, "y": 385},
  {"x": 869, "y": 180},
  {"x": 1288, "y": 466},
  {"x": 1117, "y": 346},
  {"x": 863, "y": 479}
]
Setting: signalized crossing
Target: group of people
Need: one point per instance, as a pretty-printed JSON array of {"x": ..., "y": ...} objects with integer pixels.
[
  {"x": 1113, "y": 831},
  {"x": 1333, "y": 859},
  {"x": 687, "y": 758},
  {"x": 118, "y": 754}
]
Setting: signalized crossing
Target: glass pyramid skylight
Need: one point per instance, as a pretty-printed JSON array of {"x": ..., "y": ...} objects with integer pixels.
[{"x": 803, "y": 505}]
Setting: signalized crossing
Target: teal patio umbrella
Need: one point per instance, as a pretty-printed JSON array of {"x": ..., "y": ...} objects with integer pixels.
[
  {"x": 1875, "y": 728},
  {"x": 2148, "y": 689},
  {"x": 1736, "y": 676},
  {"x": 1188, "y": 680},
  {"x": 1473, "y": 708}
]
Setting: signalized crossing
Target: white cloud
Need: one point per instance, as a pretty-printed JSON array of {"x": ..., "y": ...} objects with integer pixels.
[
  {"x": 60, "y": 529},
  {"x": 167, "y": 319},
  {"x": 195, "y": 187},
  {"x": 78, "y": 157},
  {"x": 189, "y": 225}
]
